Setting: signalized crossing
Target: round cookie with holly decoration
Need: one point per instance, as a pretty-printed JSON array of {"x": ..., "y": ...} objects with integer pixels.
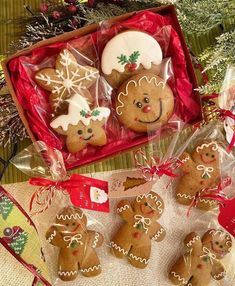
[
  {"x": 129, "y": 53},
  {"x": 144, "y": 103}
]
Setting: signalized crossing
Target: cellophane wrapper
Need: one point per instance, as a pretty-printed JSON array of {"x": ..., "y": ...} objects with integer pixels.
[{"x": 41, "y": 106}]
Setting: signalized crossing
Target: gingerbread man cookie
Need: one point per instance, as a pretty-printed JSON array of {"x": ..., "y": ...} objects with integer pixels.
[
  {"x": 201, "y": 170},
  {"x": 129, "y": 53},
  {"x": 66, "y": 79},
  {"x": 202, "y": 259},
  {"x": 144, "y": 103},
  {"x": 133, "y": 239},
  {"x": 76, "y": 244},
  {"x": 81, "y": 125}
]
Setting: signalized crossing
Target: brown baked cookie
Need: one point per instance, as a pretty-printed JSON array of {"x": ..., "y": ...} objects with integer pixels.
[
  {"x": 201, "y": 261},
  {"x": 200, "y": 170},
  {"x": 133, "y": 239},
  {"x": 129, "y": 53},
  {"x": 66, "y": 79},
  {"x": 82, "y": 126},
  {"x": 76, "y": 244},
  {"x": 144, "y": 103}
]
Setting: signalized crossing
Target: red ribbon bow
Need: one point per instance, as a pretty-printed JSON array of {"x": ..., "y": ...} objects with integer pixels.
[
  {"x": 151, "y": 167},
  {"x": 73, "y": 186}
]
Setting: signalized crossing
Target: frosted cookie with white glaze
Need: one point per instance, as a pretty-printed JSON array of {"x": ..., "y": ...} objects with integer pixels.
[
  {"x": 201, "y": 262},
  {"x": 200, "y": 170},
  {"x": 82, "y": 126},
  {"x": 129, "y": 53},
  {"x": 66, "y": 79},
  {"x": 76, "y": 244},
  {"x": 144, "y": 103},
  {"x": 133, "y": 238}
]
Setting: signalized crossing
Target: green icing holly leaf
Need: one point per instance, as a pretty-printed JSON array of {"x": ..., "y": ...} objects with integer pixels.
[
  {"x": 134, "y": 57},
  {"x": 83, "y": 113},
  {"x": 122, "y": 59},
  {"x": 95, "y": 113},
  {"x": 139, "y": 226}
]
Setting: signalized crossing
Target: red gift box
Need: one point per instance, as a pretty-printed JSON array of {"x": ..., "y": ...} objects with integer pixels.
[{"x": 34, "y": 108}]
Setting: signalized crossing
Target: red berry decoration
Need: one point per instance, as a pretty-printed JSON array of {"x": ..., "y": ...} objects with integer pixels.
[
  {"x": 56, "y": 14},
  {"x": 72, "y": 9},
  {"x": 44, "y": 7},
  {"x": 91, "y": 3}
]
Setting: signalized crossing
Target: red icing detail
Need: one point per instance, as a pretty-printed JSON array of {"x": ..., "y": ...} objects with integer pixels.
[
  {"x": 200, "y": 266},
  {"x": 75, "y": 252},
  {"x": 227, "y": 215},
  {"x": 146, "y": 109},
  {"x": 201, "y": 182},
  {"x": 76, "y": 228},
  {"x": 137, "y": 235}
]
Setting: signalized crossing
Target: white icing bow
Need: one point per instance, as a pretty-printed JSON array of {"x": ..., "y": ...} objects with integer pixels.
[
  {"x": 209, "y": 254},
  {"x": 71, "y": 238},
  {"x": 206, "y": 170},
  {"x": 142, "y": 220}
]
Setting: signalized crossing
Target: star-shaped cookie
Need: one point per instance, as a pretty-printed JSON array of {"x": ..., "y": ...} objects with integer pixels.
[{"x": 66, "y": 79}]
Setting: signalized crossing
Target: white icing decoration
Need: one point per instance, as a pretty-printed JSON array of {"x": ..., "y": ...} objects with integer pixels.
[
  {"x": 96, "y": 240},
  {"x": 73, "y": 238},
  {"x": 154, "y": 79},
  {"x": 52, "y": 236},
  {"x": 118, "y": 248},
  {"x": 220, "y": 275},
  {"x": 205, "y": 170},
  {"x": 142, "y": 220},
  {"x": 223, "y": 235},
  {"x": 98, "y": 196},
  {"x": 191, "y": 242},
  {"x": 186, "y": 196},
  {"x": 181, "y": 279},
  {"x": 64, "y": 82},
  {"x": 127, "y": 43},
  {"x": 158, "y": 234},
  {"x": 69, "y": 217},
  {"x": 214, "y": 148},
  {"x": 149, "y": 195},
  {"x": 67, "y": 273},
  {"x": 185, "y": 159},
  {"x": 78, "y": 105},
  {"x": 137, "y": 258},
  {"x": 121, "y": 209},
  {"x": 208, "y": 253},
  {"x": 96, "y": 267}
]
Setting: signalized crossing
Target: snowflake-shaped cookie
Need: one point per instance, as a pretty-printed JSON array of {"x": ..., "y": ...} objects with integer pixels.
[{"x": 66, "y": 79}]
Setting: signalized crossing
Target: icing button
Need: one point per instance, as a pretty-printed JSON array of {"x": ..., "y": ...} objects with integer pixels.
[
  {"x": 75, "y": 252},
  {"x": 137, "y": 235},
  {"x": 147, "y": 108},
  {"x": 200, "y": 266}
]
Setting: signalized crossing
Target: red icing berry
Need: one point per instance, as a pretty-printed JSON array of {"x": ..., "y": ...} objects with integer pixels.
[
  {"x": 43, "y": 7},
  {"x": 200, "y": 266},
  {"x": 137, "y": 235},
  {"x": 72, "y": 8},
  {"x": 56, "y": 14},
  {"x": 75, "y": 252}
]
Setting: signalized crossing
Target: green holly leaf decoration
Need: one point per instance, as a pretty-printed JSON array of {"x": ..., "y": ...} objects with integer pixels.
[
  {"x": 6, "y": 206},
  {"x": 139, "y": 226},
  {"x": 95, "y": 112},
  {"x": 134, "y": 57},
  {"x": 122, "y": 59},
  {"x": 83, "y": 113}
]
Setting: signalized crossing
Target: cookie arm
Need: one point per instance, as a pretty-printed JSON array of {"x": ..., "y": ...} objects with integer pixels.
[
  {"x": 124, "y": 209},
  {"x": 193, "y": 241},
  {"x": 95, "y": 239},
  {"x": 157, "y": 232},
  {"x": 187, "y": 161},
  {"x": 53, "y": 236},
  {"x": 218, "y": 271}
]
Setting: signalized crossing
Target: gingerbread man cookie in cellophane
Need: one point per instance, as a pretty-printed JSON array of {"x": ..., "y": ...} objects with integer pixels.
[
  {"x": 200, "y": 170},
  {"x": 140, "y": 227}
]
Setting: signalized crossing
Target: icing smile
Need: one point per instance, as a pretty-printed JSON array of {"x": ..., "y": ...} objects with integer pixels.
[
  {"x": 88, "y": 138},
  {"x": 203, "y": 158},
  {"x": 160, "y": 114}
]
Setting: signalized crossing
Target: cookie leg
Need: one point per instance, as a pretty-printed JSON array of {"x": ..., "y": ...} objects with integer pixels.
[
  {"x": 120, "y": 245},
  {"x": 185, "y": 194},
  {"x": 67, "y": 270},
  {"x": 199, "y": 281},
  {"x": 139, "y": 256},
  {"x": 90, "y": 265},
  {"x": 181, "y": 273}
]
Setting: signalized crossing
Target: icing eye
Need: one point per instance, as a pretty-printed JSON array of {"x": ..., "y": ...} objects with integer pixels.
[
  {"x": 207, "y": 154},
  {"x": 212, "y": 156},
  {"x": 74, "y": 223},
  {"x": 146, "y": 204},
  {"x": 146, "y": 100},
  {"x": 221, "y": 246},
  {"x": 217, "y": 243},
  {"x": 67, "y": 224},
  {"x": 89, "y": 130},
  {"x": 80, "y": 132},
  {"x": 139, "y": 104}
]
